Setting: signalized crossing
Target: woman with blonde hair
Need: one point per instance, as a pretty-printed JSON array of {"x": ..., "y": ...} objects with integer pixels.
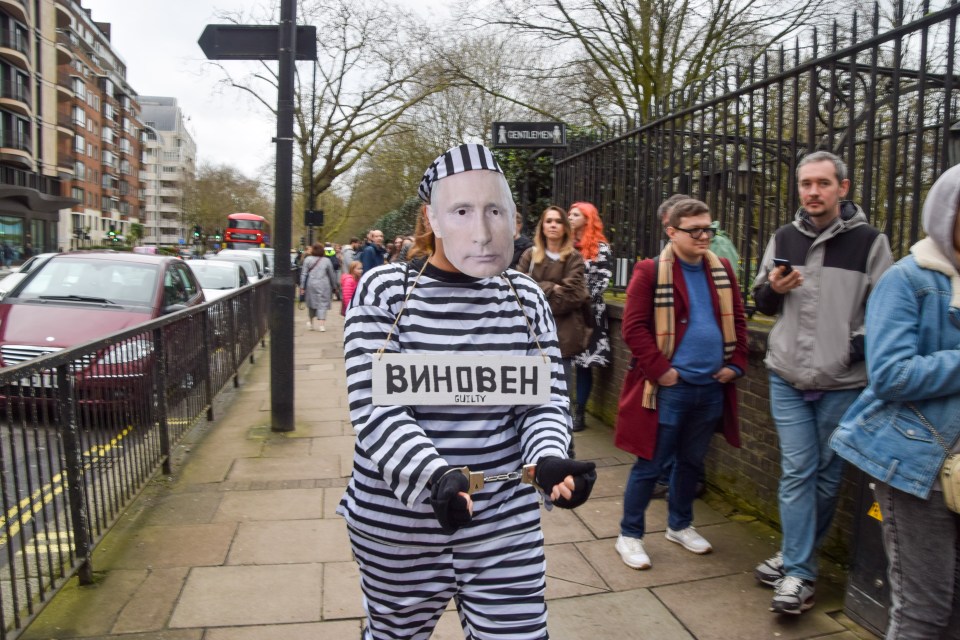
[
  {"x": 592, "y": 245},
  {"x": 559, "y": 270}
]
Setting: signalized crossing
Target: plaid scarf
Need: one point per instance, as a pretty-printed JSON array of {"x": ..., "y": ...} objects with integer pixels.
[{"x": 664, "y": 320}]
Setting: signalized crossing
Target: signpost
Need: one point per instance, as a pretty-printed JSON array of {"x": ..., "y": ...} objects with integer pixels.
[
  {"x": 539, "y": 137},
  {"x": 253, "y": 42},
  {"x": 260, "y": 42},
  {"x": 528, "y": 135}
]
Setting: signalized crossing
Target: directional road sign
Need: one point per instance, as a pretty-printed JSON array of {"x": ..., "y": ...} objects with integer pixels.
[{"x": 254, "y": 42}]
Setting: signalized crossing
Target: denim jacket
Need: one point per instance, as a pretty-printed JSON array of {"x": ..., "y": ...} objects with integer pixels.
[{"x": 913, "y": 365}]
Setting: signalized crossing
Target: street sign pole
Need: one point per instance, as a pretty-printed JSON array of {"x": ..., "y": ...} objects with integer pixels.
[
  {"x": 264, "y": 42},
  {"x": 281, "y": 285}
]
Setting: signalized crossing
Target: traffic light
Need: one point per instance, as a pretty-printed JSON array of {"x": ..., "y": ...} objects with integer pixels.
[
  {"x": 217, "y": 235},
  {"x": 112, "y": 234},
  {"x": 197, "y": 230}
]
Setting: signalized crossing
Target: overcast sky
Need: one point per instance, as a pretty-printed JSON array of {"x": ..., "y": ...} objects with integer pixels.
[{"x": 157, "y": 39}]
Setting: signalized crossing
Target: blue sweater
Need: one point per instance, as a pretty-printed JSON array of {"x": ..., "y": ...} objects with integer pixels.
[{"x": 700, "y": 354}]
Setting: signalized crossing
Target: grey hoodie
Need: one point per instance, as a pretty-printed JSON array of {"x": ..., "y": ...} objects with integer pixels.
[
  {"x": 817, "y": 342},
  {"x": 940, "y": 213}
]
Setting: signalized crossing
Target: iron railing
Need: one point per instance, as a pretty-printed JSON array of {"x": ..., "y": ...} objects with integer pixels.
[
  {"x": 886, "y": 102},
  {"x": 82, "y": 430}
]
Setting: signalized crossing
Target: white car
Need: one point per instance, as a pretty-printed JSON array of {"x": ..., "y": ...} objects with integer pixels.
[
  {"x": 248, "y": 262},
  {"x": 268, "y": 257},
  {"x": 249, "y": 254},
  {"x": 218, "y": 277},
  {"x": 21, "y": 272}
]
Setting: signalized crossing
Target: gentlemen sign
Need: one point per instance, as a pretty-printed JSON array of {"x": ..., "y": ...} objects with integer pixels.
[
  {"x": 408, "y": 379},
  {"x": 536, "y": 135}
]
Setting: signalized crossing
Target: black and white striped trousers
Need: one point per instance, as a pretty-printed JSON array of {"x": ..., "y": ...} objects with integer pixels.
[{"x": 498, "y": 587}]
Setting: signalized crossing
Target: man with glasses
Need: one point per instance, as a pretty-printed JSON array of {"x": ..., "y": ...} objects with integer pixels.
[
  {"x": 686, "y": 330},
  {"x": 816, "y": 275}
]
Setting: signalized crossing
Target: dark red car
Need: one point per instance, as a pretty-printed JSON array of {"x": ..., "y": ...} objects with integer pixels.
[{"x": 77, "y": 297}]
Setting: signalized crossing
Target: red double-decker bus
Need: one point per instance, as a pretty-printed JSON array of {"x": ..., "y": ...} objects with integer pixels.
[{"x": 246, "y": 230}]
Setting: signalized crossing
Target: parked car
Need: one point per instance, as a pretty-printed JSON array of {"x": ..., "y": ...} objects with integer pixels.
[
  {"x": 74, "y": 298},
  {"x": 251, "y": 254},
  {"x": 19, "y": 273},
  {"x": 250, "y": 265},
  {"x": 268, "y": 258},
  {"x": 218, "y": 277}
]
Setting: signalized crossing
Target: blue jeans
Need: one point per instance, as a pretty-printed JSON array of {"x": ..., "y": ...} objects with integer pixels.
[
  {"x": 810, "y": 470},
  {"x": 688, "y": 415}
]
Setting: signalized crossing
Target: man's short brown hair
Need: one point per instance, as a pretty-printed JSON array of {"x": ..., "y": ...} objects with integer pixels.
[
  {"x": 686, "y": 208},
  {"x": 663, "y": 211}
]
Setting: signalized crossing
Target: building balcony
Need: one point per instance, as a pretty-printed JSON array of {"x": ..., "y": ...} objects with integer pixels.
[
  {"x": 167, "y": 192},
  {"x": 166, "y": 207},
  {"x": 17, "y": 9},
  {"x": 64, "y": 48},
  {"x": 67, "y": 165},
  {"x": 15, "y": 97},
  {"x": 31, "y": 180},
  {"x": 15, "y": 49},
  {"x": 64, "y": 15}
]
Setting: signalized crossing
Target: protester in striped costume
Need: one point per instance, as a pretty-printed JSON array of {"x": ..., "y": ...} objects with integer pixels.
[{"x": 422, "y": 532}]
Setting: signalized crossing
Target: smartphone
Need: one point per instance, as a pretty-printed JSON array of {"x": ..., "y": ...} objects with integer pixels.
[{"x": 783, "y": 262}]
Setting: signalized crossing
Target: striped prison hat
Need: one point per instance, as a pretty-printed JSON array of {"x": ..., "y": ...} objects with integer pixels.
[{"x": 466, "y": 157}]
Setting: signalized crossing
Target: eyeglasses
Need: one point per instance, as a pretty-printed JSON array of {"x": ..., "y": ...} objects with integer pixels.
[{"x": 698, "y": 232}]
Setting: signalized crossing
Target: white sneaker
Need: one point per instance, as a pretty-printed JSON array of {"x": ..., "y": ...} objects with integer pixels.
[
  {"x": 322, "y": 328},
  {"x": 309, "y": 324},
  {"x": 689, "y": 539},
  {"x": 632, "y": 553}
]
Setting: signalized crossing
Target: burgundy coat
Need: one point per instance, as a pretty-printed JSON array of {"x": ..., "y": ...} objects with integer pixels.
[{"x": 636, "y": 430}]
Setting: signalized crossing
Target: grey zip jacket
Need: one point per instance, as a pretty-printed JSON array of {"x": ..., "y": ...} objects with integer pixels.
[{"x": 817, "y": 341}]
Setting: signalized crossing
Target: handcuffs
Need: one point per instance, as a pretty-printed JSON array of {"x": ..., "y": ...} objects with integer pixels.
[
  {"x": 476, "y": 479},
  {"x": 526, "y": 475}
]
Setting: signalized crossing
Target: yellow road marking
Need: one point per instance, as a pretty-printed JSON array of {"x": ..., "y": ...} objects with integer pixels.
[{"x": 47, "y": 492}]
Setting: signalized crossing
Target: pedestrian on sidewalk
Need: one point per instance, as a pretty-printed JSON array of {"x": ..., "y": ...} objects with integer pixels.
[
  {"x": 816, "y": 274},
  {"x": 662, "y": 488},
  {"x": 559, "y": 270},
  {"x": 595, "y": 250},
  {"x": 348, "y": 284},
  {"x": 687, "y": 333},
  {"x": 421, "y": 532},
  {"x": 317, "y": 284},
  {"x": 904, "y": 424}
]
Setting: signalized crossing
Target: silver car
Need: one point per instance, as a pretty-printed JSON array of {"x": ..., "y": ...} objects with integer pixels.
[{"x": 218, "y": 277}]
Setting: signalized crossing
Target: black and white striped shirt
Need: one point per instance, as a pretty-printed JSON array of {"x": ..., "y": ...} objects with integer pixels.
[{"x": 398, "y": 447}]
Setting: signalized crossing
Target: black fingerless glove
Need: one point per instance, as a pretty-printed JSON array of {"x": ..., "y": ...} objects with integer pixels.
[
  {"x": 449, "y": 507},
  {"x": 552, "y": 470}
]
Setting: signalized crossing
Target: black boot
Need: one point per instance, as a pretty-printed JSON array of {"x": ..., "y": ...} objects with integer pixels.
[{"x": 578, "y": 418}]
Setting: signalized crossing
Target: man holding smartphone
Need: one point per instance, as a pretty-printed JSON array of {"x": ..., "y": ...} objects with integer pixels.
[{"x": 816, "y": 274}]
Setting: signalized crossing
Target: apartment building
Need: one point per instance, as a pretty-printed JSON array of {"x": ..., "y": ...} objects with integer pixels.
[
  {"x": 169, "y": 164},
  {"x": 100, "y": 133},
  {"x": 31, "y": 175}
]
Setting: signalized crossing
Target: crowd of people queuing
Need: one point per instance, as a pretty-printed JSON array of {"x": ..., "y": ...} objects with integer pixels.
[{"x": 863, "y": 365}]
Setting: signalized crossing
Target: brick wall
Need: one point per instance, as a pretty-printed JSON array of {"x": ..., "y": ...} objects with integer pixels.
[{"x": 746, "y": 477}]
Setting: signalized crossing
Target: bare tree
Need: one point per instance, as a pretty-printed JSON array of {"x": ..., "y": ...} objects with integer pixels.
[
  {"x": 372, "y": 68},
  {"x": 219, "y": 190},
  {"x": 626, "y": 57}
]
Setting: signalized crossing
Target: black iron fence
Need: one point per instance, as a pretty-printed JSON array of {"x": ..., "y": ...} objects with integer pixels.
[
  {"x": 82, "y": 430},
  {"x": 887, "y": 102}
]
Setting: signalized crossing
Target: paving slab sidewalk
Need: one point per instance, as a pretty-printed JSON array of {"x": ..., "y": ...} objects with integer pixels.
[{"x": 242, "y": 542}]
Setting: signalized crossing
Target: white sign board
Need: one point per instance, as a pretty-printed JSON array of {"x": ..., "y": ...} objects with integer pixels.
[{"x": 416, "y": 379}]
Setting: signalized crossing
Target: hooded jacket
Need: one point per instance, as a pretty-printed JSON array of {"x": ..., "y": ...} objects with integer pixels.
[
  {"x": 817, "y": 341},
  {"x": 913, "y": 333}
]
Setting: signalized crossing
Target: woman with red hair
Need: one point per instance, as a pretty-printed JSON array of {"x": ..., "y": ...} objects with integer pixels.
[{"x": 593, "y": 246}]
